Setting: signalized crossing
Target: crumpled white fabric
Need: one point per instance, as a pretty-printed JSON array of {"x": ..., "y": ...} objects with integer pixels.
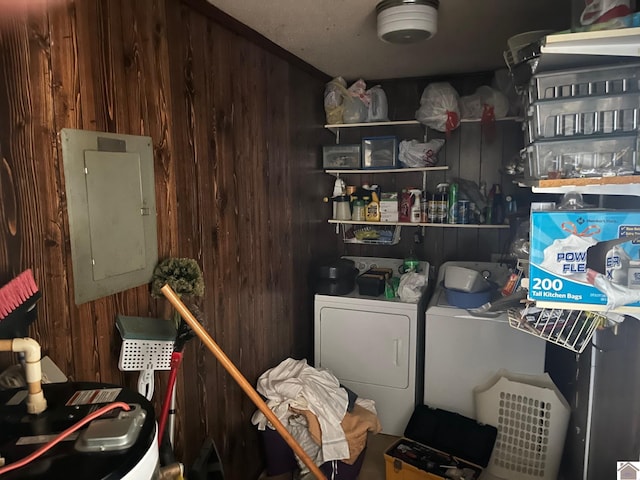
[{"x": 294, "y": 383}]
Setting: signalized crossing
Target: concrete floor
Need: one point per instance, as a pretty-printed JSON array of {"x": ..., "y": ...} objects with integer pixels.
[{"x": 374, "y": 465}]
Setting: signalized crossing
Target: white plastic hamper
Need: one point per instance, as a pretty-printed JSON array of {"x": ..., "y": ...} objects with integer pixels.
[{"x": 532, "y": 418}]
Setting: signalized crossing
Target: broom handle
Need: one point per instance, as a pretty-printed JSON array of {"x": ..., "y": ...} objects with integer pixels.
[{"x": 240, "y": 380}]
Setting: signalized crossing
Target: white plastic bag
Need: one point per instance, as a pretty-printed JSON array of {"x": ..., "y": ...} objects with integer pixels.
[
  {"x": 411, "y": 286},
  {"x": 471, "y": 106},
  {"x": 486, "y": 103},
  {"x": 356, "y": 103},
  {"x": 334, "y": 93},
  {"x": 494, "y": 99},
  {"x": 355, "y": 111},
  {"x": 378, "y": 107},
  {"x": 413, "y": 153},
  {"x": 439, "y": 108}
]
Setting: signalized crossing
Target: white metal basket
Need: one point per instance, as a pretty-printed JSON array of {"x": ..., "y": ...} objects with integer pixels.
[
  {"x": 147, "y": 345},
  {"x": 142, "y": 354},
  {"x": 571, "y": 329}
]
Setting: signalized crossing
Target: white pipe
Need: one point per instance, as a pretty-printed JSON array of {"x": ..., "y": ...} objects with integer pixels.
[{"x": 36, "y": 402}]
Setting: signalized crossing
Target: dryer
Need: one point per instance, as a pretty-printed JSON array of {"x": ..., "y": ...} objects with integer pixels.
[
  {"x": 374, "y": 346},
  {"x": 463, "y": 351}
]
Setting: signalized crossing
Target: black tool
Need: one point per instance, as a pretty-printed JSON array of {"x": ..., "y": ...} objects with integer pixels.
[{"x": 597, "y": 254}]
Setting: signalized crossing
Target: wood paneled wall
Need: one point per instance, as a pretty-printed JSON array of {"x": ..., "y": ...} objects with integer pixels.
[{"x": 235, "y": 132}]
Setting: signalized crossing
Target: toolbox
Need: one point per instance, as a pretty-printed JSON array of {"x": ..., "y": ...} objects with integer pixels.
[{"x": 439, "y": 445}]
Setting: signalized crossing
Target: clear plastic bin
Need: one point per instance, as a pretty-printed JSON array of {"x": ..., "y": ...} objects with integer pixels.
[
  {"x": 611, "y": 114},
  {"x": 595, "y": 156},
  {"x": 341, "y": 156},
  {"x": 582, "y": 82}
]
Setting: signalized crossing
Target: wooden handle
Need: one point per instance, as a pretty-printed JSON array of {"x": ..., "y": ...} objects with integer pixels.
[{"x": 240, "y": 380}]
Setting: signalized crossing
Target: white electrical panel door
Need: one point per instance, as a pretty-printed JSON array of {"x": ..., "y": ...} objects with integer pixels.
[{"x": 371, "y": 347}]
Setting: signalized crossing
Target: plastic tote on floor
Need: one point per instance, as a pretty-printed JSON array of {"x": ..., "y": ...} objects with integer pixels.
[{"x": 439, "y": 444}]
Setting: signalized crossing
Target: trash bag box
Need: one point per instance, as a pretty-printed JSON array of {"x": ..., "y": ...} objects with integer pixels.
[{"x": 585, "y": 259}]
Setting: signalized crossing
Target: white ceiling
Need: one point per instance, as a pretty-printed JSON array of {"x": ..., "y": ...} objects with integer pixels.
[{"x": 339, "y": 37}]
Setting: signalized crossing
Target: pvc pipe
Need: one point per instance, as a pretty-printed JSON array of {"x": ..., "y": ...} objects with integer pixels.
[
  {"x": 36, "y": 402},
  {"x": 240, "y": 379}
]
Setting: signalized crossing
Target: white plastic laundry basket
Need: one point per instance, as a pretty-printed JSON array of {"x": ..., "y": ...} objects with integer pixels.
[{"x": 532, "y": 418}]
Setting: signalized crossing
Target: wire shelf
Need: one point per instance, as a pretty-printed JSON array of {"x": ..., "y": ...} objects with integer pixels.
[
  {"x": 571, "y": 329},
  {"x": 372, "y": 234}
]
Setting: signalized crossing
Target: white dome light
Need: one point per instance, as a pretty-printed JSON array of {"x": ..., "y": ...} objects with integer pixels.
[{"x": 407, "y": 21}]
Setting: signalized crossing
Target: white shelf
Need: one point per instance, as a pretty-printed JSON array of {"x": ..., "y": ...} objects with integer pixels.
[
  {"x": 622, "y": 185},
  {"x": 433, "y": 225},
  {"x": 337, "y": 126},
  {"x": 580, "y": 49},
  {"x": 619, "y": 42},
  {"x": 502, "y": 119},
  {"x": 386, "y": 170}
]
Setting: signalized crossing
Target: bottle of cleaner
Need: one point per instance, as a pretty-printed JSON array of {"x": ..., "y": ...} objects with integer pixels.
[
  {"x": 372, "y": 213},
  {"x": 415, "y": 215},
  {"x": 442, "y": 202}
]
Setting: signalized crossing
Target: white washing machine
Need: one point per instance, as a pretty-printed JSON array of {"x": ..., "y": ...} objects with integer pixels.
[
  {"x": 374, "y": 346},
  {"x": 463, "y": 351}
]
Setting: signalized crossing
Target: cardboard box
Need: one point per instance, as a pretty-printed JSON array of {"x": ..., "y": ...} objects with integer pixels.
[
  {"x": 437, "y": 441},
  {"x": 389, "y": 207},
  {"x": 585, "y": 260}
]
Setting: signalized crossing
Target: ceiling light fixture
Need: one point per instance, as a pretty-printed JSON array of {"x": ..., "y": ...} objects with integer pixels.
[{"x": 407, "y": 21}]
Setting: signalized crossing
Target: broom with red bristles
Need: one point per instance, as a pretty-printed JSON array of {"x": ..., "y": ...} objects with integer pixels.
[{"x": 17, "y": 305}]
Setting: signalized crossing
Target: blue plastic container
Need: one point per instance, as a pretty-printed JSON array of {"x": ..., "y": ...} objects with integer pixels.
[{"x": 461, "y": 299}]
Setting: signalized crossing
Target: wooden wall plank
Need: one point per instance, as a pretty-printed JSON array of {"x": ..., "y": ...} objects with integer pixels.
[
  {"x": 238, "y": 179},
  {"x": 234, "y": 129}
]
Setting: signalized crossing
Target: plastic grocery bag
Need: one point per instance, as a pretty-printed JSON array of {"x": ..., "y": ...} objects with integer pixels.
[
  {"x": 334, "y": 93},
  {"x": 355, "y": 111},
  {"x": 439, "y": 108},
  {"x": 486, "y": 103},
  {"x": 356, "y": 103},
  {"x": 411, "y": 286},
  {"x": 413, "y": 153}
]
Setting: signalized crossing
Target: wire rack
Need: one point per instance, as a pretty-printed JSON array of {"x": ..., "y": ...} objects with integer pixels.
[
  {"x": 571, "y": 329},
  {"x": 372, "y": 234}
]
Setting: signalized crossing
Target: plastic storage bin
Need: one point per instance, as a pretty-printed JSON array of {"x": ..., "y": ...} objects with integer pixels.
[
  {"x": 595, "y": 156},
  {"x": 341, "y": 156},
  {"x": 373, "y": 281},
  {"x": 569, "y": 117},
  {"x": 579, "y": 82},
  {"x": 380, "y": 152},
  {"x": 437, "y": 440}
]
